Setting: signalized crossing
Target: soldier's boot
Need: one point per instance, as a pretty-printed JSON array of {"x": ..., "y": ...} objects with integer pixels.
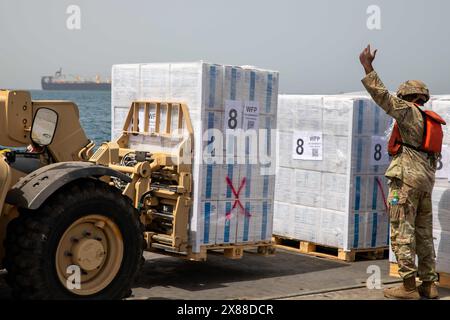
[
  {"x": 407, "y": 290},
  {"x": 429, "y": 290}
]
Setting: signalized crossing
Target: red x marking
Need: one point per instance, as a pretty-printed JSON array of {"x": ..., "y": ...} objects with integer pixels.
[
  {"x": 382, "y": 194},
  {"x": 237, "y": 202}
]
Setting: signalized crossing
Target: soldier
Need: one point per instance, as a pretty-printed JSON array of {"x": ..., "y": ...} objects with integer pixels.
[{"x": 411, "y": 177}]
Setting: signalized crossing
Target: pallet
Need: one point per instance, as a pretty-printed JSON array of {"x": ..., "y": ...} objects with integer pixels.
[
  {"x": 232, "y": 251},
  {"x": 317, "y": 250},
  {"x": 444, "y": 278}
]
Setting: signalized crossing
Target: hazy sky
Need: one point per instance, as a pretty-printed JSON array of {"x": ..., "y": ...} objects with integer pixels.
[{"x": 314, "y": 44}]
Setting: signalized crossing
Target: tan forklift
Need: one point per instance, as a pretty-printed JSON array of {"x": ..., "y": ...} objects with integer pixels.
[{"x": 74, "y": 225}]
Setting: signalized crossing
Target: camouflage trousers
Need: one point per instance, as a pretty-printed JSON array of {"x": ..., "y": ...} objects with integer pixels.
[{"x": 412, "y": 231}]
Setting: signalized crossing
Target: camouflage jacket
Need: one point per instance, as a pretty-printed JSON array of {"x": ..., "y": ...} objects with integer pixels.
[{"x": 414, "y": 168}]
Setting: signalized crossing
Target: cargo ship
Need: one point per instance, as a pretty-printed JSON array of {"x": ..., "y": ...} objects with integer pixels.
[{"x": 62, "y": 82}]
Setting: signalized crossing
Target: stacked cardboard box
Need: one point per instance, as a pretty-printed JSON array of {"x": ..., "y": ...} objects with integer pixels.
[
  {"x": 226, "y": 99},
  {"x": 330, "y": 183},
  {"x": 441, "y": 192}
]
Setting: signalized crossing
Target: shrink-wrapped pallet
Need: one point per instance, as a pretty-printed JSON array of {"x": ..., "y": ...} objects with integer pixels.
[
  {"x": 330, "y": 185},
  {"x": 221, "y": 100}
]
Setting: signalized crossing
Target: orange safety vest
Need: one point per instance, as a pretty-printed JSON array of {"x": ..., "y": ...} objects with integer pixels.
[{"x": 433, "y": 135}]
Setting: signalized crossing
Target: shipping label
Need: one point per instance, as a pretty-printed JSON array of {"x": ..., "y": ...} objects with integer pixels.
[
  {"x": 307, "y": 145},
  {"x": 443, "y": 164},
  {"x": 378, "y": 151},
  {"x": 251, "y": 115},
  {"x": 233, "y": 115}
]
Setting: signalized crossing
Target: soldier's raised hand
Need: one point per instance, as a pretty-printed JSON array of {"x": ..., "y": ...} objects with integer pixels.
[{"x": 366, "y": 58}]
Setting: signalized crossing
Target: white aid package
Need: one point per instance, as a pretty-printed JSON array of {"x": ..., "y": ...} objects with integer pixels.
[{"x": 221, "y": 99}]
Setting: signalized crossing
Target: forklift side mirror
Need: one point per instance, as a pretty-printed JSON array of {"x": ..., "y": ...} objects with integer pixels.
[{"x": 44, "y": 126}]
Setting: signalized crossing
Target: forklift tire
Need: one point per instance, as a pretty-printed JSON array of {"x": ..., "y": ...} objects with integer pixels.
[{"x": 85, "y": 242}]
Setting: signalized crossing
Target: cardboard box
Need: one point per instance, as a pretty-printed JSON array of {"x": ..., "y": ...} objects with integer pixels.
[
  {"x": 221, "y": 99},
  {"x": 336, "y": 199}
]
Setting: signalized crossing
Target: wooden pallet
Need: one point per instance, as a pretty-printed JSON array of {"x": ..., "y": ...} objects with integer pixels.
[
  {"x": 232, "y": 251},
  {"x": 444, "y": 278},
  {"x": 322, "y": 251}
]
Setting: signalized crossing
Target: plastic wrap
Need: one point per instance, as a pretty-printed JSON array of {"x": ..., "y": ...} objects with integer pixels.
[
  {"x": 211, "y": 92},
  {"x": 441, "y": 191},
  {"x": 337, "y": 200}
]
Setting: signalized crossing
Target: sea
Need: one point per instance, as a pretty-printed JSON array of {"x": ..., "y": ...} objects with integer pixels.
[{"x": 94, "y": 107}]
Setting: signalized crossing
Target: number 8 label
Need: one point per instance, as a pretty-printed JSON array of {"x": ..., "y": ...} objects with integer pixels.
[
  {"x": 379, "y": 155},
  {"x": 443, "y": 164},
  {"x": 300, "y": 149},
  {"x": 232, "y": 118},
  {"x": 307, "y": 145}
]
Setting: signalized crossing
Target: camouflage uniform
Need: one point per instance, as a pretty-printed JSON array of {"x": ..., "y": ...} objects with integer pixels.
[{"x": 411, "y": 174}]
